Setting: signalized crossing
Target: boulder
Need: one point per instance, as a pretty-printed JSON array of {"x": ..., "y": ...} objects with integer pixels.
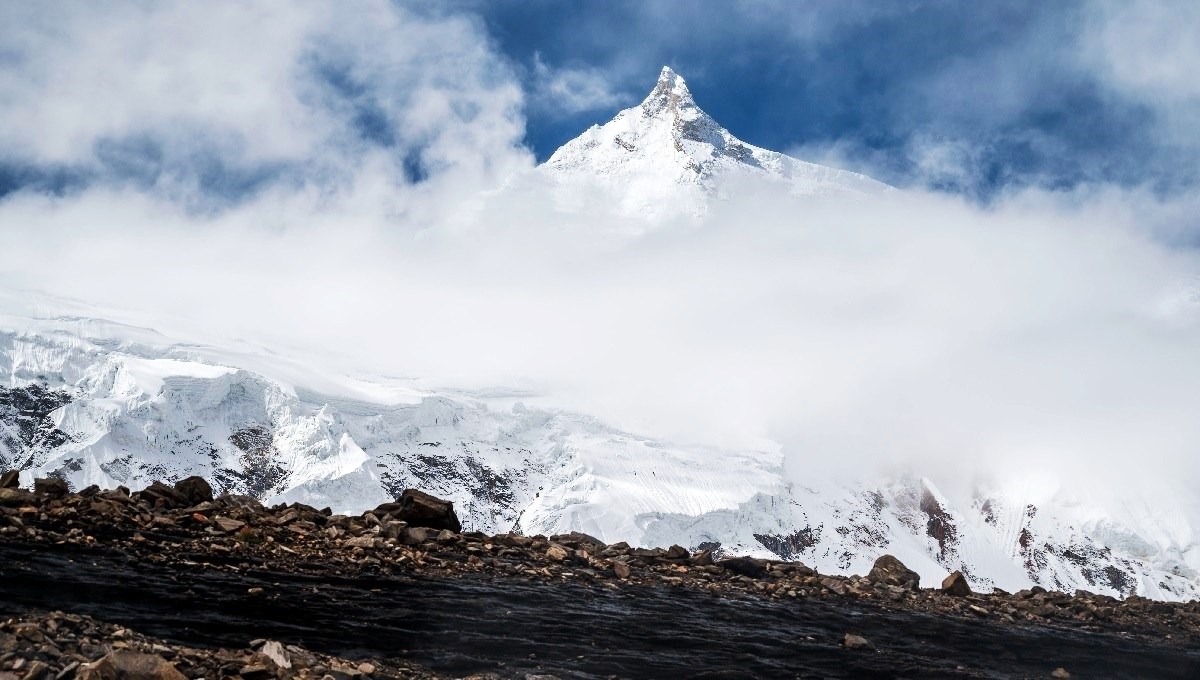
[
  {"x": 123, "y": 664},
  {"x": 891, "y": 571},
  {"x": 51, "y": 487},
  {"x": 157, "y": 491},
  {"x": 578, "y": 539},
  {"x": 744, "y": 566},
  {"x": 956, "y": 584},
  {"x": 195, "y": 489},
  {"x": 229, "y": 524},
  {"x": 277, "y": 653},
  {"x": 256, "y": 672},
  {"x": 237, "y": 501},
  {"x": 856, "y": 642},
  {"x": 393, "y": 529},
  {"x": 835, "y": 585},
  {"x": 420, "y": 509},
  {"x": 677, "y": 552},
  {"x": 15, "y": 497},
  {"x": 415, "y": 535},
  {"x": 10, "y": 479}
]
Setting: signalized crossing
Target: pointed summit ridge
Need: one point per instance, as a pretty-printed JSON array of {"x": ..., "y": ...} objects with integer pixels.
[
  {"x": 667, "y": 156},
  {"x": 671, "y": 91}
]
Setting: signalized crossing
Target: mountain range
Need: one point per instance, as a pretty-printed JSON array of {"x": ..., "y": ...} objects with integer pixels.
[{"x": 97, "y": 401}]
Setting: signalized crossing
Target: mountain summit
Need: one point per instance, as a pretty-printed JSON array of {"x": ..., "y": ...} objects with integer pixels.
[{"x": 667, "y": 156}]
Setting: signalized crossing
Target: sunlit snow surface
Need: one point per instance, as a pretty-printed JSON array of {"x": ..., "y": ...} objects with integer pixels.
[{"x": 666, "y": 157}]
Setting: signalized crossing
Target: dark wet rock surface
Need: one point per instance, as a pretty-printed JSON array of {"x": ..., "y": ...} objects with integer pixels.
[
  {"x": 514, "y": 626},
  {"x": 175, "y": 563}
]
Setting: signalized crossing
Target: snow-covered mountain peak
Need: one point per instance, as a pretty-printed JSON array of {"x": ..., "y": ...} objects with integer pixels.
[
  {"x": 666, "y": 156},
  {"x": 670, "y": 94}
]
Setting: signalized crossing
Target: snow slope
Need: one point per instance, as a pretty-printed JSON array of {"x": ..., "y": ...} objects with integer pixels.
[
  {"x": 99, "y": 402},
  {"x": 667, "y": 157}
]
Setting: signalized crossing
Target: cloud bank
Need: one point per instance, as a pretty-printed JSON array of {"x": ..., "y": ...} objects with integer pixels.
[{"x": 1052, "y": 330}]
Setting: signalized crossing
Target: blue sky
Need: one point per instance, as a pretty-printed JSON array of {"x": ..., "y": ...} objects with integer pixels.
[
  {"x": 1000, "y": 82},
  {"x": 977, "y": 99}
]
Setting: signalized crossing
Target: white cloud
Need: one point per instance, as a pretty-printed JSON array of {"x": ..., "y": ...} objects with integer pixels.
[
  {"x": 259, "y": 84},
  {"x": 566, "y": 91},
  {"x": 1149, "y": 50},
  {"x": 1049, "y": 330}
]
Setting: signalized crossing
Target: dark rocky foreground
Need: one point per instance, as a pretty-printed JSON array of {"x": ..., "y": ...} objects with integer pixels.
[{"x": 192, "y": 573}]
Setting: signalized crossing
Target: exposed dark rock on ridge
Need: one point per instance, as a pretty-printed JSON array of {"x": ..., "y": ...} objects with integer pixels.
[{"x": 25, "y": 422}]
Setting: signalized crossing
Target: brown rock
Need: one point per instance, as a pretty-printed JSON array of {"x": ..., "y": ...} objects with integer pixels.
[
  {"x": 276, "y": 653},
  {"x": 1060, "y": 674},
  {"x": 579, "y": 539},
  {"x": 36, "y": 671},
  {"x": 621, "y": 569},
  {"x": 256, "y": 672},
  {"x": 891, "y": 571},
  {"x": 228, "y": 524},
  {"x": 123, "y": 664},
  {"x": 415, "y": 535},
  {"x": 344, "y": 673},
  {"x": 856, "y": 642},
  {"x": 744, "y": 566},
  {"x": 956, "y": 584},
  {"x": 52, "y": 487},
  {"x": 15, "y": 497},
  {"x": 195, "y": 489},
  {"x": 420, "y": 509},
  {"x": 836, "y": 585},
  {"x": 157, "y": 491},
  {"x": 556, "y": 553},
  {"x": 676, "y": 552},
  {"x": 360, "y": 542},
  {"x": 10, "y": 479}
]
